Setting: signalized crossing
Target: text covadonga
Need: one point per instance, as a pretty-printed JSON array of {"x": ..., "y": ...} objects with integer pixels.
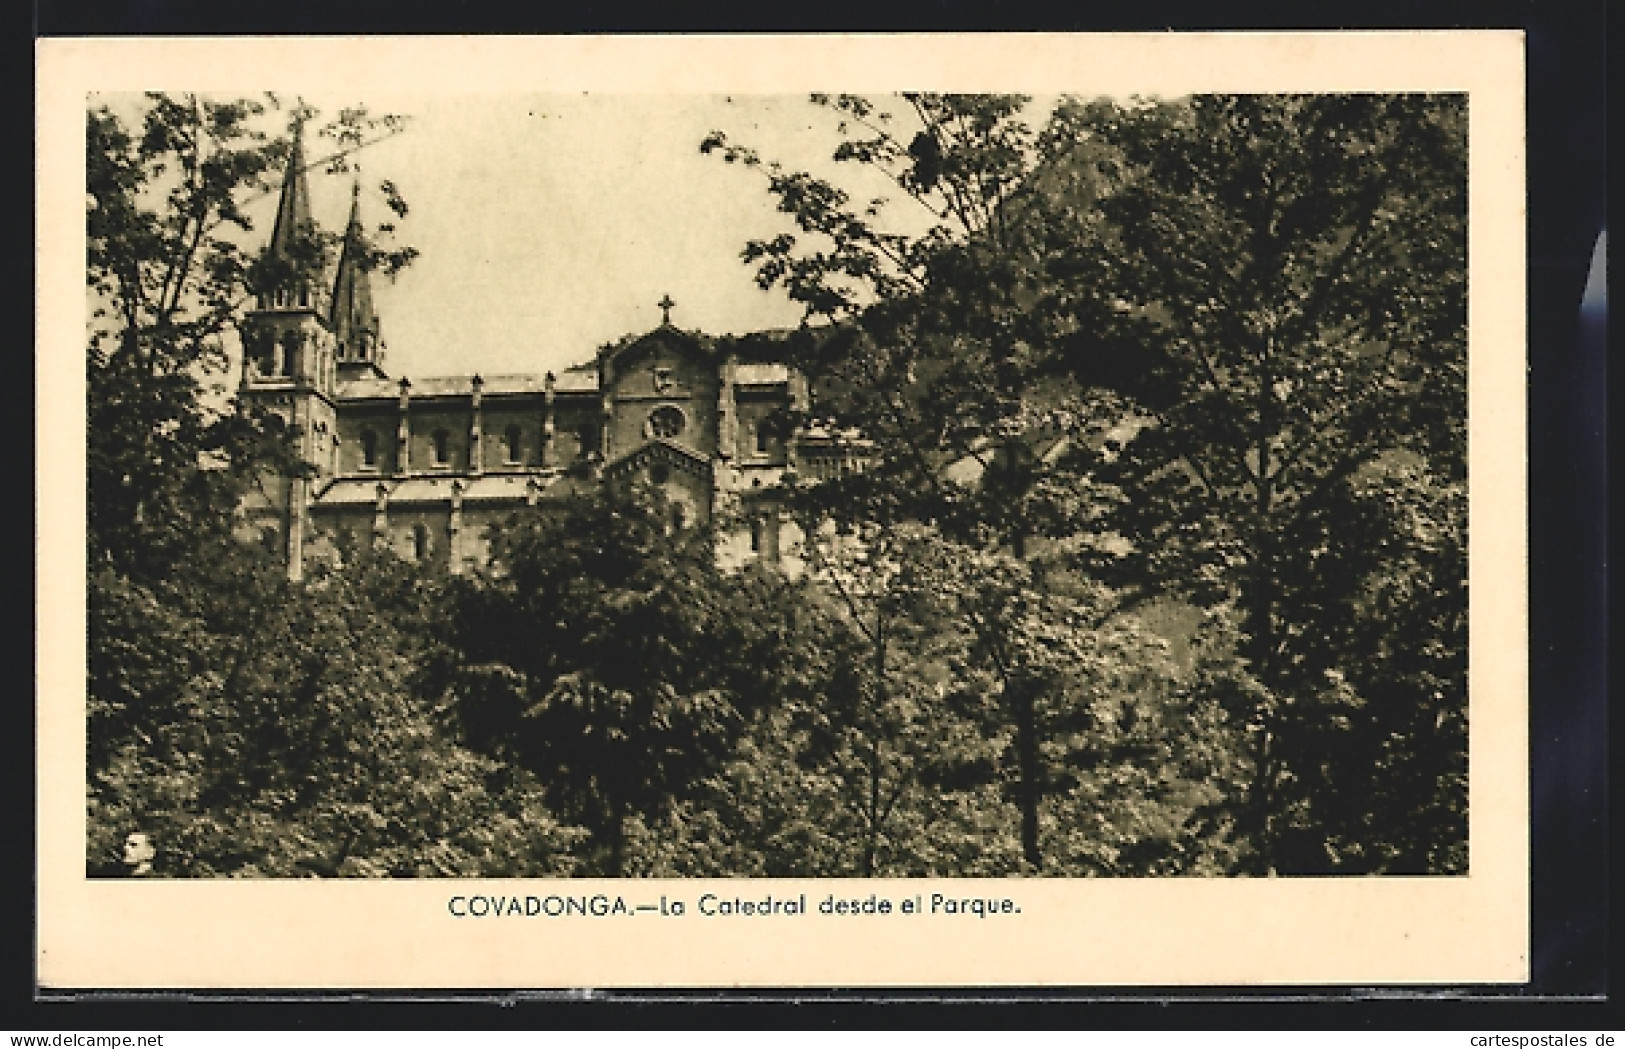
[{"x": 714, "y": 905}]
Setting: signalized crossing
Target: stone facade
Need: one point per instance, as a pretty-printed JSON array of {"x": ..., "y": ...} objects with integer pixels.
[{"x": 426, "y": 465}]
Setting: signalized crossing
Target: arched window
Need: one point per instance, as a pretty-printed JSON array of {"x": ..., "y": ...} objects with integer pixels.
[
  {"x": 258, "y": 352},
  {"x": 369, "y": 449},
  {"x": 442, "y": 448},
  {"x": 755, "y": 535},
  {"x": 679, "y": 516},
  {"x": 291, "y": 364},
  {"x": 763, "y": 439},
  {"x": 659, "y": 473},
  {"x": 511, "y": 443},
  {"x": 420, "y": 541},
  {"x": 667, "y": 421},
  {"x": 268, "y": 539}
]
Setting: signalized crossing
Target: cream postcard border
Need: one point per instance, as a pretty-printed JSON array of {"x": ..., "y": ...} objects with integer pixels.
[{"x": 267, "y": 934}]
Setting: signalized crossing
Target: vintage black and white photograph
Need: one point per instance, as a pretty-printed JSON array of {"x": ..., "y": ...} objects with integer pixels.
[
  {"x": 913, "y": 511},
  {"x": 776, "y": 485}
]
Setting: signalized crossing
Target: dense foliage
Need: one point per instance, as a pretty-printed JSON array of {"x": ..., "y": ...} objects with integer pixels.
[
  {"x": 249, "y": 726},
  {"x": 1159, "y": 567},
  {"x": 1210, "y": 351}
]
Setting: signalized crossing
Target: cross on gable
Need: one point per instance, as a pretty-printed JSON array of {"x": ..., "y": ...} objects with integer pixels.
[{"x": 665, "y": 305}]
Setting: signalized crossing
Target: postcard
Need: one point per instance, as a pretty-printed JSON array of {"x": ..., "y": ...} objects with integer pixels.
[{"x": 775, "y": 512}]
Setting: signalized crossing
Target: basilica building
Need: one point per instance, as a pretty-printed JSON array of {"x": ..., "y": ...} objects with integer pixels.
[{"x": 426, "y": 464}]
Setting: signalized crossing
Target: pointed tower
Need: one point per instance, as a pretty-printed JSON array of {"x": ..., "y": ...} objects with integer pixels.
[
  {"x": 288, "y": 364},
  {"x": 285, "y": 337},
  {"x": 293, "y": 220},
  {"x": 353, "y": 321}
]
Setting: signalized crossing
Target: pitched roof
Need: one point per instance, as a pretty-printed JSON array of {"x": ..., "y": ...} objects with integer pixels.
[
  {"x": 462, "y": 385},
  {"x": 581, "y": 379},
  {"x": 695, "y": 342},
  {"x": 505, "y": 487},
  {"x": 661, "y": 449},
  {"x": 761, "y": 374}
]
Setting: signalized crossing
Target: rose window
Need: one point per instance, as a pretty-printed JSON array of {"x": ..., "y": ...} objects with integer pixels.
[{"x": 666, "y": 421}]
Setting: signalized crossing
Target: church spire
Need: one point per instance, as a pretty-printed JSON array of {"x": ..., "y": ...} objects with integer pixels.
[
  {"x": 352, "y": 319},
  {"x": 293, "y": 217},
  {"x": 293, "y": 260}
]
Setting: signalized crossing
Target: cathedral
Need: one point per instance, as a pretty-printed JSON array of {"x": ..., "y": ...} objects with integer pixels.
[{"x": 425, "y": 465}]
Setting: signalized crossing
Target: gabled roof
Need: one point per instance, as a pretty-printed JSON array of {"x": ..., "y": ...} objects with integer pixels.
[
  {"x": 699, "y": 343},
  {"x": 660, "y": 449}
]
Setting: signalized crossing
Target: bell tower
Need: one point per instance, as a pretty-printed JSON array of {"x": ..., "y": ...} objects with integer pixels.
[
  {"x": 289, "y": 361},
  {"x": 358, "y": 342}
]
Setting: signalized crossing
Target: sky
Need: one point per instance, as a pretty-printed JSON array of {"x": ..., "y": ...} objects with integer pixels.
[{"x": 551, "y": 224}]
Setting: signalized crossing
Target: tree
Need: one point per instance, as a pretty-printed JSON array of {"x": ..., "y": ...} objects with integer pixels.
[
  {"x": 1289, "y": 278},
  {"x": 165, "y": 288},
  {"x": 293, "y": 744},
  {"x": 199, "y": 667},
  {"x": 965, "y": 155},
  {"x": 1160, "y": 344},
  {"x": 936, "y": 351},
  {"x": 1387, "y": 611},
  {"x": 930, "y": 339},
  {"x": 903, "y": 769},
  {"x": 839, "y": 768},
  {"x": 168, "y": 275},
  {"x": 886, "y": 747},
  {"x": 587, "y": 655},
  {"x": 1112, "y": 754}
]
